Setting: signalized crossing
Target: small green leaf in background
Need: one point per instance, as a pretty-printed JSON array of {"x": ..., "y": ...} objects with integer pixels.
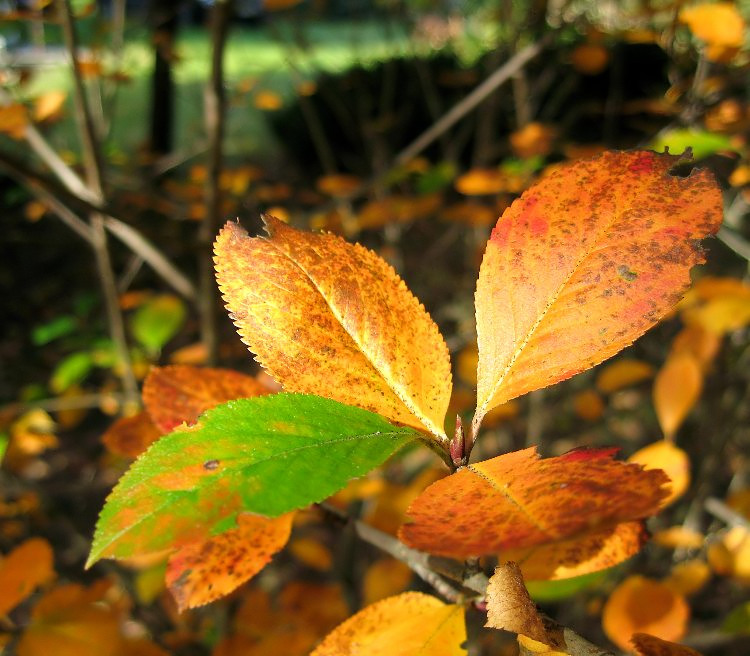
[
  {"x": 71, "y": 371},
  {"x": 52, "y": 330},
  {"x": 437, "y": 178},
  {"x": 703, "y": 143},
  {"x": 738, "y": 621},
  {"x": 104, "y": 353},
  {"x": 4, "y": 439},
  {"x": 267, "y": 455},
  {"x": 551, "y": 591},
  {"x": 157, "y": 321}
]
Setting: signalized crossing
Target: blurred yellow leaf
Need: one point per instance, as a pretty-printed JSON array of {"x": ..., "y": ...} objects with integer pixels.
[
  {"x": 677, "y": 388},
  {"x": 466, "y": 364},
  {"x": 533, "y": 139},
  {"x": 267, "y": 100},
  {"x": 588, "y": 405},
  {"x": 339, "y": 185},
  {"x": 716, "y": 23},
  {"x": 49, "y": 105},
  {"x": 469, "y": 213},
  {"x": 697, "y": 342},
  {"x": 621, "y": 373},
  {"x": 688, "y": 577},
  {"x": 730, "y": 554},
  {"x": 589, "y": 58},
  {"x": 641, "y": 605},
  {"x": 672, "y": 460},
  {"x": 312, "y": 553},
  {"x": 675, "y": 537},
  {"x": 481, "y": 182},
  {"x": 13, "y": 120},
  {"x": 384, "y": 578}
]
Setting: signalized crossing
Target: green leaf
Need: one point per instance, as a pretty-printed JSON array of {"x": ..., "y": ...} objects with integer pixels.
[
  {"x": 267, "y": 455},
  {"x": 551, "y": 591},
  {"x": 71, "y": 371},
  {"x": 4, "y": 440},
  {"x": 157, "y": 321},
  {"x": 52, "y": 330},
  {"x": 437, "y": 178},
  {"x": 703, "y": 143},
  {"x": 738, "y": 621}
]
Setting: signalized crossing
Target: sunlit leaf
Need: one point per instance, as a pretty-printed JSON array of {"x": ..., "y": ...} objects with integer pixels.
[
  {"x": 48, "y": 332},
  {"x": 267, "y": 455},
  {"x": 688, "y": 577},
  {"x": 13, "y": 120},
  {"x": 533, "y": 139},
  {"x": 327, "y": 317},
  {"x": 641, "y": 605},
  {"x": 518, "y": 501},
  {"x": 409, "y": 624},
  {"x": 729, "y": 555},
  {"x": 623, "y": 372},
  {"x": 24, "y": 569},
  {"x": 180, "y": 393},
  {"x": 201, "y": 572},
  {"x": 131, "y": 436},
  {"x": 582, "y": 264},
  {"x": 716, "y": 23},
  {"x": 384, "y": 578},
  {"x": 49, "y": 105},
  {"x": 648, "y": 645},
  {"x": 677, "y": 388},
  {"x": 670, "y": 459},
  {"x": 71, "y": 370}
]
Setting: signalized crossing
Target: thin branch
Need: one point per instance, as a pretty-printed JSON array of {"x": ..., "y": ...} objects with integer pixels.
[
  {"x": 722, "y": 511},
  {"x": 463, "y": 107},
  {"x": 66, "y": 403},
  {"x": 150, "y": 254},
  {"x": 734, "y": 241}
]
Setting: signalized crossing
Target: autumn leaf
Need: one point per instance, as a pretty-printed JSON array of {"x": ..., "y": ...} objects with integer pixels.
[
  {"x": 49, "y": 105},
  {"x": 641, "y": 605},
  {"x": 621, "y": 373},
  {"x": 157, "y": 321},
  {"x": 180, "y": 394},
  {"x": 25, "y": 568},
  {"x": 582, "y": 264},
  {"x": 409, "y": 624},
  {"x": 519, "y": 501},
  {"x": 648, "y": 645},
  {"x": 670, "y": 459},
  {"x": 677, "y": 388},
  {"x": 202, "y": 572},
  {"x": 326, "y": 317},
  {"x": 267, "y": 455},
  {"x": 131, "y": 436}
]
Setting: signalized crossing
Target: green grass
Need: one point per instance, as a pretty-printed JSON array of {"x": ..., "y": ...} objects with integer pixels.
[{"x": 271, "y": 55}]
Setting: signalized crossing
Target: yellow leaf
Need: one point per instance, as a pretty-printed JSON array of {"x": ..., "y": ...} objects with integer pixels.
[
  {"x": 481, "y": 182},
  {"x": 385, "y": 577},
  {"x": 312, "y": 553},
  {"x": 588, "y": 405},
  {"x": 677, "y": 388},
  {"x": 267, "y": 100},
  {"x": 533, "y": 139},
  {"x": 327, "y": 317},
  {"x": 717, "y": 23},
  {"x": 672, "y": 460},
  {"x": 410, "y": 624},
  {"x": 49, "y": 105},
  {"x": 643, "y": 605},
  {"x": 339, "y": 185},
  {"x": 688, "y": 577},
  {"x": 675, "y": 537},
  {"x": 730, "y": 555},
  {"x": 13, "y": 120},
  {"x": 621, "y": 373}
]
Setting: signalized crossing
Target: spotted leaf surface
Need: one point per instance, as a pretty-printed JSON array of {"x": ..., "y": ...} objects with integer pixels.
[
  {"x": 409, "y": 624},
  {"x": 331, "y": 318},
  {"x": 202, "y": 572},
  {"x": 519, "y": 501},
  {"x": 587, "y": 260},
  {"x": 180, "y": 393},
  {"x": 266, "y": 455}
]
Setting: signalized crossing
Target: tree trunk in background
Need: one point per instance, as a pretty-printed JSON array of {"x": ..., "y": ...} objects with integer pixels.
[{"x": 163, "y": 19}]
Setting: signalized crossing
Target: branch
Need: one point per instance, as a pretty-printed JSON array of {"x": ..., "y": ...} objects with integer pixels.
[
  {"x": 463, "y": 107},
  {"x": 722, "y": 511}
]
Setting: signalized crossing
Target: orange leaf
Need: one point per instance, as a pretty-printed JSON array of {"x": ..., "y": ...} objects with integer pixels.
[
  {"x": 716, "y": 23},
  {"x": 384, "y": 578},
  {"x": 641, "y": 605},
  {"x": 583, "y": 263},
  {"x": 677, "y": 388},
  {"x": 180, "y": 393},
  {"x": 406, "y": 625},
  {"x": 588, "y": 405},
  {"x": 131, "y": 436},
  {"x": 49, "y": 105},
  {"x": 25, "y": 568},
  {"x": 648, "y": 645},
  {"x": 201, "y": 572},
  {"x": 518, "y": 500},
  {"x": 590, "y": 552},
  {"x": 339, "y": 185},
  {"x": 688, "y": 577},
  {"x": 481, "y": 182},
  {"x": 672, "y": 460},
  {"x": 589, "y": 58},
  {"x": 678, "y": 536},
  {"x": 533, "y": 139},
  {"x": 328, "y": 318},
  {"x": 13, "y": 120}
]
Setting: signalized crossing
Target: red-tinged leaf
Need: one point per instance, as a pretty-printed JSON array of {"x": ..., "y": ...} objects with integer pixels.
[
  {"x": 519, "y": 501},
  {"x": 333, "y": 319},
  {"x": 586, "y": 261},
  {"x": 409, "y": 624},
  {"x": 25, "y": 568},
  {"x": 180, "y": 393},
  {"x": 131, "y": 436},
  {"x": 205, "y": 571}
]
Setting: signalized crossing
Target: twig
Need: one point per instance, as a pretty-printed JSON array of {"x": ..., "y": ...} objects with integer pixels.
[
  {"x": 145, "y": 249},
  {"x": 66, "y": 403},
  {"x": 723, "y": 512},
  {"x": 215, "y": 109},
  {"x": 463, "y": 107}
]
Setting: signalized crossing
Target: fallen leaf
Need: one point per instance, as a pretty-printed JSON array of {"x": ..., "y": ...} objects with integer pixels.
[
  {"x": 24, "y": 569},
  {"x": 582, "y": 264},
  {"x": 677, "y": 388},
  {"x": 202, "y": 572},
  {"x": 326, "y": 317},
  {"x": 180, "y": 394},
  {"x": 641, "y": 605},
  {"x": 518, "y": 501},
  {"x": 409, "y": 624}
]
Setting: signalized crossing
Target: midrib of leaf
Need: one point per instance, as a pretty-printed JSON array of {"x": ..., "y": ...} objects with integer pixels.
[
  {"x": 481, "y": 411},
  {"x": 386, "y": 374},
  {"x": 453, "y": 609},
  {"x": 175, "y": 496}
]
